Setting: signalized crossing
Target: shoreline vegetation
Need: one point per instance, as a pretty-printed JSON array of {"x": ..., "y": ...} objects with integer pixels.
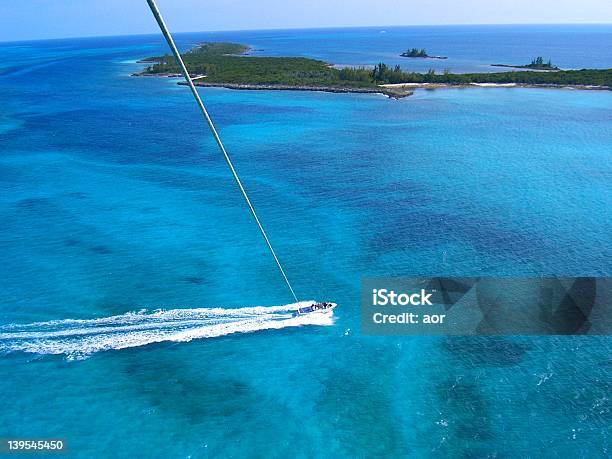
[
  {"x": 228, "y": 65},
  {"x": 420, "y": 53}
]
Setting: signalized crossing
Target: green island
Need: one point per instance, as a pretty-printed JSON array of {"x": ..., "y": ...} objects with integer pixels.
[
  {"x": 414, "y": 52},
  {"x": 226, "y": 65},
  {"x": 536, "y": 64}
]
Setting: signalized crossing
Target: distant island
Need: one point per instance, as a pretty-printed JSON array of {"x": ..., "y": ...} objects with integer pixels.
[
  {"x": 201, "y": 52},
  {"x": 420, "y": 53},
  {"x": 227, "y": 65},
  {"x": 536, "y": 64}
]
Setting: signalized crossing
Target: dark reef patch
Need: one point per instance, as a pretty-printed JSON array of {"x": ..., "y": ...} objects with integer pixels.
[
  {"x": 484, "y": 350},
  {"x": 101, "y": 250},
  {"x": 77, "y": 195},
  {"x": 33, "y": 203},
  {"x": 467, "y": 409},
  {"x": 357, "y": 408},
  {"x": 195, "y": 280},
  {"x": 71, "y": 242},
  {"x": 180, "y": 391}
]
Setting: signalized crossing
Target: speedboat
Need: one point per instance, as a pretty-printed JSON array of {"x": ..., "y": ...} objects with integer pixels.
[{"x": 324, "y": 307}]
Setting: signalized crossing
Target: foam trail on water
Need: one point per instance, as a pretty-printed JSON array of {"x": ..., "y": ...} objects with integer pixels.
[{"x": 79, "y": 338}]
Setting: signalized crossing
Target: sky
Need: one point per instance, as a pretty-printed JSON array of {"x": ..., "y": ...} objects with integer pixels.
[{"x": 42, "y": 19}]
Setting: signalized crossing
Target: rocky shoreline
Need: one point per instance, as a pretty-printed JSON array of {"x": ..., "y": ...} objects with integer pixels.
[
  {"x": 394, "y": 93},
  {"x": 391, "y": 92}
]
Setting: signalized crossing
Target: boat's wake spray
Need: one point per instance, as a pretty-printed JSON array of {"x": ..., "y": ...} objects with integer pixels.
[{"x": 80, "y": 338}]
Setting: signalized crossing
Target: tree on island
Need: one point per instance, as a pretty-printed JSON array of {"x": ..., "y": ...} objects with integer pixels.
[
  {"x": 538, "y": 63},
  {"x": 430, "y": 76},
  {"x": 383, "y": 74},
  {"x": 415, "y": 53}
]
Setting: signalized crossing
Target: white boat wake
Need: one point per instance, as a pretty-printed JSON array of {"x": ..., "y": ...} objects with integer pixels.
[{"x": 78, "y": 339}]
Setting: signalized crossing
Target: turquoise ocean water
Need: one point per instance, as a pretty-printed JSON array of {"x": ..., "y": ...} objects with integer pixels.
[{"x": 114, "y": 203}]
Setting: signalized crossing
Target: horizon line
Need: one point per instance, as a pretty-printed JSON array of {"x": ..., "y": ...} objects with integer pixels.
[{"x": 69, "y": 37}]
